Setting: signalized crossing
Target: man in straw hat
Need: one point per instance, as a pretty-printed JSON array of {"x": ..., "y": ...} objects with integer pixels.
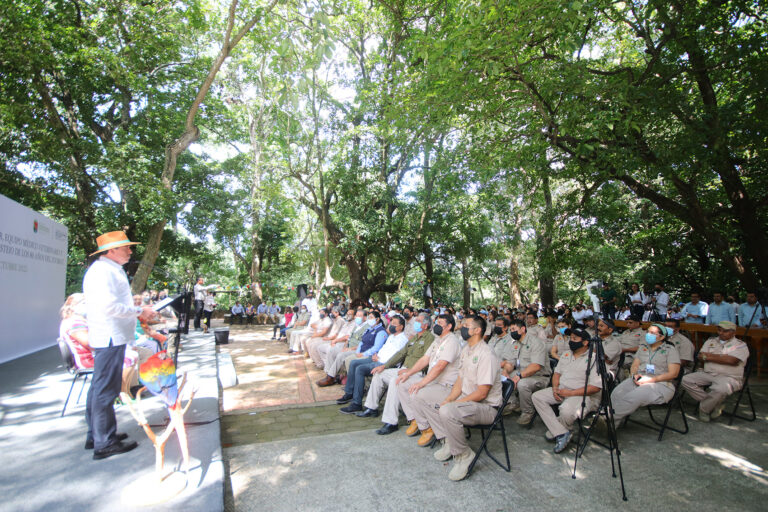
[
  {"x": 111, "y": 325},
  {"x": 724, "y": 357}
]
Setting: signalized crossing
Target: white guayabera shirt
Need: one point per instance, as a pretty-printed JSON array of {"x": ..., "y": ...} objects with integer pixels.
[{"x": 109, "y": 303}]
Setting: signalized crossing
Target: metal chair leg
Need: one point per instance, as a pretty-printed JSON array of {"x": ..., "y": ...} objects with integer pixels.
[
  {"x": 85, "y": 381},
  {"x": 68, "y": 394}
]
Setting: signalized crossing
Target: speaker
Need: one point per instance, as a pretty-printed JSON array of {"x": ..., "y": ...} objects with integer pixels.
[{"x": 301, "y": 291}]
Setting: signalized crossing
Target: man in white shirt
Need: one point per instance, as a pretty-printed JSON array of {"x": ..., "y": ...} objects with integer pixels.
[
  {"x": 660, "y": 301},
  {"x": 311, "y": 303},
  {"x": 111, "y": 325},
  {"x": 199, "y": 290},
  {"x": 751, "y": 313},
  {"x": 720, "y": 311}
]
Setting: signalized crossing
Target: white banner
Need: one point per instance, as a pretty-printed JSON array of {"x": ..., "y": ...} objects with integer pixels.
[{"x": 33, "y": 272}]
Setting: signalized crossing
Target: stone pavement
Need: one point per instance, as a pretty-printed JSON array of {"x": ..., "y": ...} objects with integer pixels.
[{"x": 305, "y": 455}]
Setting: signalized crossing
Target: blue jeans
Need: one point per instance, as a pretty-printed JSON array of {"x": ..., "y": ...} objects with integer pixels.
[{"x": 359, "y": 369}]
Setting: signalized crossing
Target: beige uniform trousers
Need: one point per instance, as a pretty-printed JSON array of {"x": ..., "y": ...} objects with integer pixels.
[
  {"x": 570, "y": 410},
  {"x": 526, "y": 388},
  {"x": 381, "y": 381},
  {"x": 311, "y": 345},
  {"x": 414, "y": 406},
  {"x": 629, "y": 397},
  {"x": 340, "y": 362},
  {"x": 720, "y": 386},
  {"x": 451, "y": 418}
]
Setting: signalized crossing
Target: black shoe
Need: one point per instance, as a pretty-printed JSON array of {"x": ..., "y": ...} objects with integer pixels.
[
  {"x": 120, "y": 436},
  {"x": 343, "y": 400},
  {"x": 367, "y": 413},
  {"x": 114, "y": 449},
  {"x": 351, "y": 408},
  {"x": 388, "y": 428}
]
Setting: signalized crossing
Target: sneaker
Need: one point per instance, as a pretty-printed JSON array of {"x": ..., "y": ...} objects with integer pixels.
[
  {"x": 461, "y": 465},
  {"x": 444, "y": 453},
  {"x": 561, "y": 441},
  {"x": 717, "y": 412},
  {"x": 704, "y": 417}
]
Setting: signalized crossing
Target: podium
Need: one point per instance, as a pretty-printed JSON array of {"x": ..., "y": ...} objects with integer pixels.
[{"x": 181, "y": 303}]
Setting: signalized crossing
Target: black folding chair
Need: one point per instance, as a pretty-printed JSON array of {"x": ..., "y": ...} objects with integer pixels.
[
  {"x": 734, "y": 414},
  {"x": 69, "y": 362},
  {"x": 507, "y": 388},
  {"x": 674, "y": 403}
]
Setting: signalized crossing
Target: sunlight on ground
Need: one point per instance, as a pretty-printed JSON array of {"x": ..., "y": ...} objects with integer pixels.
[{"x": 734, "y": 461}]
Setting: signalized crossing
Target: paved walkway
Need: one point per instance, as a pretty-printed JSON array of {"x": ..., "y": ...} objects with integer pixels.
[{"x": 297, "y": 452}]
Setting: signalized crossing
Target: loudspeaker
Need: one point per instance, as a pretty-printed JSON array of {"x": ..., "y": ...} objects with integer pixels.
[{"x": 301, "y": 291}]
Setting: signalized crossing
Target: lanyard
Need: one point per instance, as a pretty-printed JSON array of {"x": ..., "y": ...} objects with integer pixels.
[{"x": 650, "y": 356}]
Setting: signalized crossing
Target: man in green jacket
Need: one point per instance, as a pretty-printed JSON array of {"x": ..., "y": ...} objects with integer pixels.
[{"x": 385, "y": 375}]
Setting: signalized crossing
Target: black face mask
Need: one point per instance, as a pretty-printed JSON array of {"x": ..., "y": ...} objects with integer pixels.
[
  {"x": 406, "y": 316},
  {"x": 392, "y": 329},
  {"x": 575, "y": 345},
  {"x": 497, "y": 331},
  {"x": 465, "y": 333},
  {"x": 515, "y": 336},
  {"x": 438, "y": 330}
]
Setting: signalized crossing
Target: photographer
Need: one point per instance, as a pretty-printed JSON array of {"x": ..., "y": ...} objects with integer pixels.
[{"x": 659, "y": 301}]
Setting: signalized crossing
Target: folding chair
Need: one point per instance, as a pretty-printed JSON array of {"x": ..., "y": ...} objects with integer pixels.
[
  {"x": 507, "y": 388},
  {"x": 734, "y": 414},
  {"x": 69, "y": 362},
  {"x": 675, "y": 400}
]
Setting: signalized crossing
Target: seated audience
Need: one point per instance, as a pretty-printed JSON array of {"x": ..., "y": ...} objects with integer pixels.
[
  {"x": 684, "y": 346},
  {"x": 285, "y": 324},
  {"x": 527, "y": 365},
  {"x": 238, "y": 312}
]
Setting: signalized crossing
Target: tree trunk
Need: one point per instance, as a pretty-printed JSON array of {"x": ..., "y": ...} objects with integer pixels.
[
  {"x": 466, "y": 292},
  {"x": 514, "y": 283},
  {"x": 430, "y": 273},
  {"x": 545, "y": 252},
  {"x": 191, "y": 134}
]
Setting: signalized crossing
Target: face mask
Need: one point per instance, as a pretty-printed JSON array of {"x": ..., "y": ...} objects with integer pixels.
[
  {"x": 562, "y": 330},
  {"x": 650, "y": 339},
  {"x": 722, "y": 341},
  {"x": 371, "y": 322},
  {"x": 515, "y": 336},
  {"x": 575, "y": 345},
  {"x": 497, "y": 331},
  {"x": 392, "y": 329},
  {"x": 438, "y": 330},
  {"x": 79, "y": 309},
  {"x": 465, "y": 333},
  {"x": 358, "y": 320},
  {"x": 406, "y": 316},
  {"x": 303, "y": 310},
  {"x": 322, "y": 316},
  {"x": 417, "y": 326}
]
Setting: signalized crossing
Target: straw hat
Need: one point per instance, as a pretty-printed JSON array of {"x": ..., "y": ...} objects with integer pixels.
[{"x": 112, "y": 240}]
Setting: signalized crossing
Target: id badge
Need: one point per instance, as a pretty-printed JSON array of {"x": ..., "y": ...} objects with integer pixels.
[
  {"x": 650, "y": 369},
  {"x": 518, "y": 364}
]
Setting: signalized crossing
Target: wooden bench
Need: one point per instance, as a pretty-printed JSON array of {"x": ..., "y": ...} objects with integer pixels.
[{"x": 699, "y": 333}]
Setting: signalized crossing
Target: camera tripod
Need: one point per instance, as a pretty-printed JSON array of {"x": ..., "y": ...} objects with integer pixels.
[{"x": 596, "y": 356}]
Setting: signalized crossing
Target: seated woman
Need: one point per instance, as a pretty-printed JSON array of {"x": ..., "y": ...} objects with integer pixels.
[
  {"x": 652, "y": 375},
  {"x": 282, "y": 326},
  {"x": 146, "y": 336},
  {"x": 74, "y": 331},
  {"x": 250, "y": 311},
  {"x": 560, "y": 342}
]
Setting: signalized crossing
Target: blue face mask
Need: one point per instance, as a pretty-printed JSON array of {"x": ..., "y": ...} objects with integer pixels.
[
  {"x": 650, "y": 339},
  {"x": 358, "y": 320},
  {"x": 562, "y": 330},
  {"x": 417, "y": 326}
]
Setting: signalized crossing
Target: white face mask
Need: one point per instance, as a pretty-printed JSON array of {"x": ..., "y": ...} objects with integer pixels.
[
  {"x": 371, "y": 322},
  {"x": 80, "y": 308}
]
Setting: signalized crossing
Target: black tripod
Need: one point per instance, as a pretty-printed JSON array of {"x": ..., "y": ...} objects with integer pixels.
[{"x": 596, "y": 356}]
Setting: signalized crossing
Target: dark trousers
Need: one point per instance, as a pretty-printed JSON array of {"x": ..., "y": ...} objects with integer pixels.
[
  {"x": 278, "y": 327},
  {"x": 609, "y": 311},
  {"x": 208, "y": 318},
  {"x": 105, "y": 387},
  {"x": 198, "y": 313},
  {"x": 359, "y": 369}
]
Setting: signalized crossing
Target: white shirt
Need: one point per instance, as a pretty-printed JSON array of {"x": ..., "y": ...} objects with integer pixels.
[
  {"x": 392, "y": 346},
  {"x": 109, "y": 304},
  {"x": 662, "y": 301},
  {"x": 200, "y": 290},
  {"x": 311, "y": 305}
]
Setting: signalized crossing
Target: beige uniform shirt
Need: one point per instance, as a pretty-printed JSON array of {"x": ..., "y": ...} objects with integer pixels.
[
  {"x": 612, "y": 351},
  {"x": 479, "y": 366},
  {"x": 733, "y": 347},
  {"x": 529, "y": 350},
  {"x": 683, "y": 345},
  {"x": 537, "y": 331},
  {"x": 632, "y": 339},
  {"x": 337, "y": 325},
  {"x": 409, "y": 332},
  {"x": 499, "y": 344},
  {"x": 573, "y": 371},
  {"x": 657, "y": 360},
  {"x": 446, "y": 348},
  {"x": 346, "y": 329},
  {"x": 561, "y": 342}
]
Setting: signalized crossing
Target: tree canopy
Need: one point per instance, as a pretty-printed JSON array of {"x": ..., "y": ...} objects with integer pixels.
[{"x": 495, "y": 151}]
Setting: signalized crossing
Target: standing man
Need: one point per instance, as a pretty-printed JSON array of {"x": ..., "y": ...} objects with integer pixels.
[
  {"x": 660, "y": 302},
  {"x": 199, "y": 290},
  {"x": 720, "y": 310},
  {"x": 608, "y": 301},
  {"x": 751, "y": 313},
  {"x": 111, "y": 325},
  {"x": 695, "y": 312}
]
